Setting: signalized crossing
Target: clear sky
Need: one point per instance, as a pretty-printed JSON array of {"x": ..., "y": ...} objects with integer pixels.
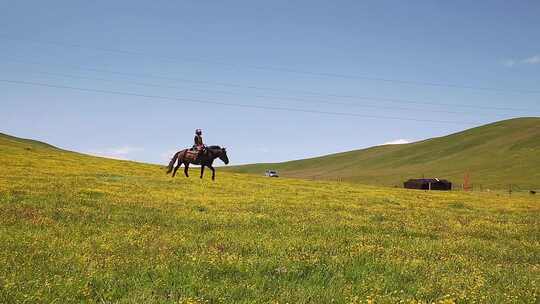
[{"x": 343, "y": 69}]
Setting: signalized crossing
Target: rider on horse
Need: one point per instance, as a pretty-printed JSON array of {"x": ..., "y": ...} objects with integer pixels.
[{"x": 198, "y": 142}]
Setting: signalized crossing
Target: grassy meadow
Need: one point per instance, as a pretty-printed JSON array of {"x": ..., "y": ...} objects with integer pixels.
[{"x": 80, "y": 229}]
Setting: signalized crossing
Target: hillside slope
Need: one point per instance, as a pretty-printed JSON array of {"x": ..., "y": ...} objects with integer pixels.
[
  {"x": 495, "y": 155},
  {"x": 12, "y": 141},
  {"x": 82, "y": 229}
]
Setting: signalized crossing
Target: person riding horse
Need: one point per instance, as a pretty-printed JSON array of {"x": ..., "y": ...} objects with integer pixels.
[
  {"x": 199, "y": 154},
  {"x": 198, "y": 142}
]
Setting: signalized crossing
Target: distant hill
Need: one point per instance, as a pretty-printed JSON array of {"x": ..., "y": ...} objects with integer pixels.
[
  {"x": 8, "y": 140},
  {"x": 495, "y": 155}
]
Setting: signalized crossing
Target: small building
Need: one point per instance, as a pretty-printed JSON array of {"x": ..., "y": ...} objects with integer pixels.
[{"x": 428, "y": 184}]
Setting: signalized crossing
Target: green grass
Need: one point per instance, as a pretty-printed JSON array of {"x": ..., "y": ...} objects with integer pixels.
[
  {"x": 80, "y": 229},
  {"x": 495, "y": 155}
]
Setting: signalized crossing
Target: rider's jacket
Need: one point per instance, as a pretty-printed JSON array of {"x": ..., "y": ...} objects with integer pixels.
[{"x": 198, "y": 142}]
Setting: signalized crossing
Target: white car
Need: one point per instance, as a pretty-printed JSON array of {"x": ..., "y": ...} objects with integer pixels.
[{"x": 271, "y": 173}]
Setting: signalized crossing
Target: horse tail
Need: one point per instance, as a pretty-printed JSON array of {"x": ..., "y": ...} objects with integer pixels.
[{"x": 172, "y": 162}]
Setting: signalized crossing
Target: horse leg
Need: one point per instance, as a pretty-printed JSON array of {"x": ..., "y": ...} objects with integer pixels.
[
  {"x": 202, "y": 170},
  {"x": 176, "y": 168},
  {"x": 186, "y": 168},
  {"x": 213, "y": 172}
]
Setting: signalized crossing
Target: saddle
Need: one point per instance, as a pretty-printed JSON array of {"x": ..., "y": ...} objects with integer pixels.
[{"x": 193, "y": 155}]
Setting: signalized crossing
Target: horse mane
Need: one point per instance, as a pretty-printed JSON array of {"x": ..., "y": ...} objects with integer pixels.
[{"x": 213, "y": 147}]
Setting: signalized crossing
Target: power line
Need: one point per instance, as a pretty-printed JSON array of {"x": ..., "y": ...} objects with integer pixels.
[
  {"x": 254, "y": 96},
  {"x": 282, "y": 69},
  {"x": 157, "y": 97},
  {"x": 316, "y": 94}
]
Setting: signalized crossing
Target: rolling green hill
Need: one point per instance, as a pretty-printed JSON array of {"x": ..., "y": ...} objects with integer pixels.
[
  {"x": 8, "y": 141},
  {"x": 494, "y": 155},
  {"x": 82, "y": 229}
]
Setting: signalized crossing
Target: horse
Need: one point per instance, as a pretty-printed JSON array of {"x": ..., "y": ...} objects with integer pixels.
[{"x": 205, "y": 159}]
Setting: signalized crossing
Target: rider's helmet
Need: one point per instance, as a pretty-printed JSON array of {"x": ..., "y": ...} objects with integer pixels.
[{"x": 198, "y": 132}]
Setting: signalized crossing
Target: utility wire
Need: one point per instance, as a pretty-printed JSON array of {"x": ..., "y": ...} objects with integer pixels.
[
  {"x": 233, "y": 85},
  {"x": 70, "y": 76},
  {"x": 193, "y": 100},
  {"x": 281, "y": 69}
]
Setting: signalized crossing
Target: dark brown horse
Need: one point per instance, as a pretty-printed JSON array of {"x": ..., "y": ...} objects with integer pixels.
[{"x": 206, "y": 159}]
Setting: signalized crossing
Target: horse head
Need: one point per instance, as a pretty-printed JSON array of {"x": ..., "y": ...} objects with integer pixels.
[{"x": 223, "y": 156}]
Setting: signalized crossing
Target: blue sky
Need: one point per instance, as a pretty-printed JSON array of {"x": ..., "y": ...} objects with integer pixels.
[{"x": 312, "y": 56}]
